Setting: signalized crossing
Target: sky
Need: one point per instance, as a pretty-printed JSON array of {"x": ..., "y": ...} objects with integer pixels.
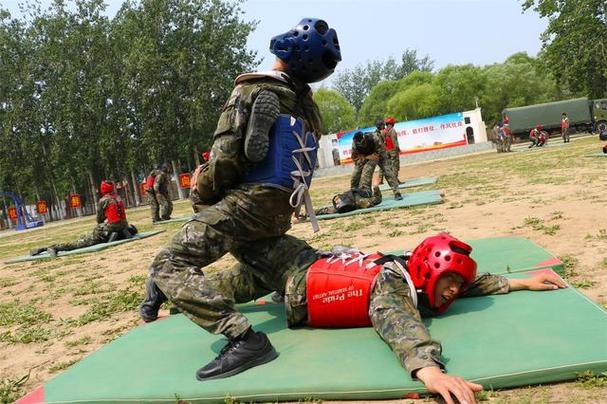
[{"x": 480, "y": 32}]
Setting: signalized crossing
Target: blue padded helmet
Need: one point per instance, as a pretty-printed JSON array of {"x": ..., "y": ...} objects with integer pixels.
[{"x": 310, "y": 50}]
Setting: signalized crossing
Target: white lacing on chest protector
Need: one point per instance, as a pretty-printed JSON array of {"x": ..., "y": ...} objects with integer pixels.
[{"x": 301, "y": 188}]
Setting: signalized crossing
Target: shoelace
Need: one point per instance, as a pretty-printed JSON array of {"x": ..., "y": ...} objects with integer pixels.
[{"x": 231, "y": 345}]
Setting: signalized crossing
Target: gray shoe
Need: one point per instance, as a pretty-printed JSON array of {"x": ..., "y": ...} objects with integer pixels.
[
  {"x": 264, "y": 112},
  {"x": 52, "y": 252}
]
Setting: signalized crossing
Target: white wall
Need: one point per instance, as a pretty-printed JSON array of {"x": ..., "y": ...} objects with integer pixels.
[{"x": 477, "y": 124}]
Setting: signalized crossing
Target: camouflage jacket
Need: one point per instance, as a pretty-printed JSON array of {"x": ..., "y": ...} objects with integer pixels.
[
  {"x": 162, "y": 182},
  {"x": 105, "y": 201},
  {"x": 398, "y": 321}
]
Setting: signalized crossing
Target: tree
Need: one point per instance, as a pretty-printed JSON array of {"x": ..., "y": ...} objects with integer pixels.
[
  {"x": 575, "y": 43},
  {"x": 355, "y": 84},
  {"x": 337, "y": 113},
  {"x": 459, "y": 87}
]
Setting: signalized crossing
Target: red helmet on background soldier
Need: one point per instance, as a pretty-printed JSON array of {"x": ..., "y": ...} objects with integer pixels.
[
  {"x": 390, "y": 121},
  {"x": 538, "y": 127},
  {"x": 106, "y": 187},
  {"x": 436, "y": 257}
]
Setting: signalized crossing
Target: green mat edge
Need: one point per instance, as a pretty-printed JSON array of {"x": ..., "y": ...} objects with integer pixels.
[
  {"x": 102, "y": 246},
  {"x": 411, "y": 183}
]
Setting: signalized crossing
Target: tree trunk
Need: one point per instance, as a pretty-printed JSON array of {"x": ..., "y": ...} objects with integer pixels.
[
  {"x": 196, "y": 155},
  {"x": 92, "y": 190},
  {"x": 135, "y": 186},
  {"x": 179, "y": 190}
]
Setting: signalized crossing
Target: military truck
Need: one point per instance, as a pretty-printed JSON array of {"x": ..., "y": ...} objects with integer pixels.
[{"x": 584, "y": 115}]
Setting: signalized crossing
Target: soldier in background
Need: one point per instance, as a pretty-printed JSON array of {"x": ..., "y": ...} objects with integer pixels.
[
  {"x": 351, "y": 200},
  {"x": 364, "y": 149},
  {"x": 249, "y": 201},
  {"x": 158, "y": 189},
  {"x": 392, "y": 146},
  {"x": 565, "y": 127},
  {"x": 111, "y": 224},
  {"x": 383, "y": 162},
  {"x": 395, "y": 293}
]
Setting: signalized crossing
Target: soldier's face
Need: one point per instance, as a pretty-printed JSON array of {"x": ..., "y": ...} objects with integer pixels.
[{"x": 447, "y": 288}]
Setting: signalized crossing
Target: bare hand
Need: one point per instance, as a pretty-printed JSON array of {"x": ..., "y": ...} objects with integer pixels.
[
  {"x": 540, "y": 281},
  {"x": 446, "y": 385},
  {"x": 194, "y": 179},
  {"x": 373, "y": 157}
]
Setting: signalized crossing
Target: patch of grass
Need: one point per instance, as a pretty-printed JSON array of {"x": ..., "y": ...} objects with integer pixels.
[
  {"x": 15, "y": 313},
  {"x": 589, "y": 380},
  {"x": 61, "y": 366},
  {"x": 81, "y": 341},
  {"x": 26, "y": 335},
  {"x": 116, "y": 302},
  {"x": 556, "y": 215},
  {"x": 6, "y": 282},
  {"x": 11, "y": 389},
  {"x": 569, "y": 264},
  {"x": 538, "y": 224},
  {"x": 583, "y": 283},
  {"x": 138, "y": 279},
  {"x": 395, "y": 233}
]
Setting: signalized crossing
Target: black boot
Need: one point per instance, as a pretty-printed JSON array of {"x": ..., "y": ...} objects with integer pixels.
[
  {"x": 398, "y": 196},
  {"x": 37, "y": 251},
  {"x": 252, "y": 349},
  {"x": 52, "y": 251},
  {"x": 264, "y": 112},
  {"x": 154, "y": 297}
]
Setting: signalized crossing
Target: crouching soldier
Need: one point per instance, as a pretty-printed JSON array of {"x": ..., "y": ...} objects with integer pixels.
[
  {"x": 392, "y": 293},
  {"x": 363, "y": 151},
  {"x": 111, "y": 224}
]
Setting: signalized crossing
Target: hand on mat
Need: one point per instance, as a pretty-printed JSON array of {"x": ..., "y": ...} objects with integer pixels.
[
  {"x": 446, "y": 385},
  {"x": 540, "y": 281}
]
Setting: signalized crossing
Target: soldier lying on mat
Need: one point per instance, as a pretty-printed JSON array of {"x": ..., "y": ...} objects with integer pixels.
[
  {"x": 350, "y": 200},
  {"x": 346, "y": 288},
  {"x": 111, "y": 224}
]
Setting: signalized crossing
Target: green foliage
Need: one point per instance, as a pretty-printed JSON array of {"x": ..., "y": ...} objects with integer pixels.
[
  {"x": 25, "y": 315},
  {"x": 574, "y": 44},
  {"x": 11, "y": 390},
  {"x": 109, "y": 304},
  {"x": 337, "y": 113}
]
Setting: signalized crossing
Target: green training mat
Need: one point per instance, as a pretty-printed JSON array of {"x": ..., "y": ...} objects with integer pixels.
[
  {"x": 518, "y": 339},
  {"x": 413, "y": 182},
  {"x": 94, "y": 248},
  {"x": 175, "y": 220},
  {"x": 504, "y": 255},
  {"x": 410, "y": 199},
  {"x": 599, "y": 154}
]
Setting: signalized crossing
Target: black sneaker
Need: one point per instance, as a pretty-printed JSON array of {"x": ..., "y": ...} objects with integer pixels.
[
  {"x": 398, "y": 196},
  {"x": 264, "y": 112},
  {"x": 154, "y": 297},
  {"x": 238, "y": 356}
]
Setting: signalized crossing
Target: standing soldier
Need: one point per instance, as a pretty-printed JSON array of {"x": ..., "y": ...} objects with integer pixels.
[
  {"x": 158, "y": 187},
  {"x": 111, "y": 224},
  {"x": 383, "y": 162},
  {"x": 262, "y": 160},
  {"x": 392, "y": 147},
  {"x": 565, "y": 127}
]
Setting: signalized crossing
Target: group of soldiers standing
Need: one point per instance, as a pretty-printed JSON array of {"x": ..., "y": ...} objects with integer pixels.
[{"x": 158, "y": 184}]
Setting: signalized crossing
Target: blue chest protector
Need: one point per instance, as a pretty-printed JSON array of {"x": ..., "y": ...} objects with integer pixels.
[{"x": 291, "y": 158}]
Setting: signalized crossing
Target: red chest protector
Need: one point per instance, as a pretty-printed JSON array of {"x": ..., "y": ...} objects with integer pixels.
[
  {"x": 339, "y": 290},
  {"x": 149, "y": 182},
  {"x": 389, "y": 143},
  {"x": 115, "y": 211}
]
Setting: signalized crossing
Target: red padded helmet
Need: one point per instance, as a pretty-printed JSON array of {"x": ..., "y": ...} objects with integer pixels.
[
  {"x": 538, "y": 127},
  {"x": 390, "y": 121},
  {"x": 437, "y": 256},
  {"x": 106, "y": 187}
]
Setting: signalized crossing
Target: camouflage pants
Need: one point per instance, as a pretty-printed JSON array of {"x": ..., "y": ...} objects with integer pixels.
[
  {"x": 565, "y": 134},
  {"x": 244, "y": 223},
  {"x": 161, "y": 206},
  {"x": 361, "y": 203},
  {"x": 99, "y": 235},
  {"x": 394, "y": 160},
  {"x": 385, "y": 167},
  {"x": 359, "y": 165}
]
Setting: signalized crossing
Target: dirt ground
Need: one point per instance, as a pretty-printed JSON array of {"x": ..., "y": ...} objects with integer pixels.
[{"x": 55, "y": 312}]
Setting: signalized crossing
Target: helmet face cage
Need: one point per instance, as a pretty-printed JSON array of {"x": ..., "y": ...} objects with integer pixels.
[
  {"x": 310, "y": 50},
  {"x": 436, "y": 257}
]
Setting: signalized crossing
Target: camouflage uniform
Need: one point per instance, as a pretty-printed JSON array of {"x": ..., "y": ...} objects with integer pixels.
[
  {"x": 394, "y": 154},
  {"x": 244, "y": 213},
  {"x": 164, "y": 205},
  {"x": 101, "y": 231},
  {"x": 281, "y": 265},
  {"x": 154, "y": 206},
  {"x": 359, "y": 164},
  {"x": 362, "y": 200},
  {"x": 384, "y": 165}
]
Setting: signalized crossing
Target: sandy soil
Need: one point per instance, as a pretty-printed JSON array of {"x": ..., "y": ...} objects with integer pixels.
[{"x": 54, "y": 312}]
